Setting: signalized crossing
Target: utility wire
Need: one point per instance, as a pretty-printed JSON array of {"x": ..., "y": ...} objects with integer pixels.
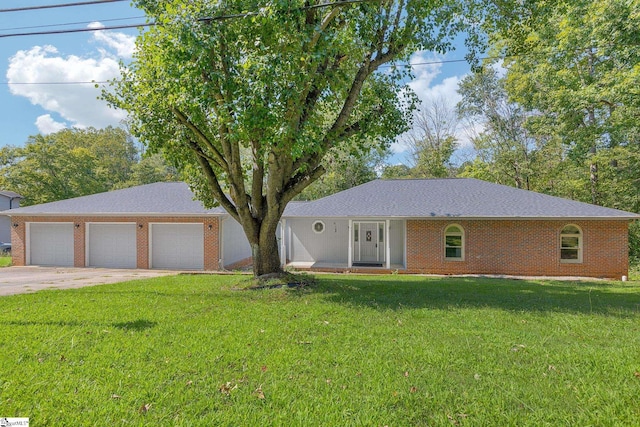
[
  {"x": 150, "y": 24},
  {"x": 77, "y": 30},
  {"x": 55, "y": 6},
  {"x": 71, "y": 23}
]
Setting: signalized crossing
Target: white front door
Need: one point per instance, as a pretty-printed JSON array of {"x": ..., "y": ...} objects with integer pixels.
[{"x": 368, "y": 242}]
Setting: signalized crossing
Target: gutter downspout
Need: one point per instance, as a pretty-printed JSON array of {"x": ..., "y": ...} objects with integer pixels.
[{"x": 11, "y": 199}]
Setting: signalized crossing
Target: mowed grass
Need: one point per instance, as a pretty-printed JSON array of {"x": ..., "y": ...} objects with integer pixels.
[
  {"x": 349, "y": 350},
  {"x": 5, "y": 261}
]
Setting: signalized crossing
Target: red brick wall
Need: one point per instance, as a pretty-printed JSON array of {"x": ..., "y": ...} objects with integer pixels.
[
  {"x": 211, "y": 236},
  {"x": 519, "y": 247}
]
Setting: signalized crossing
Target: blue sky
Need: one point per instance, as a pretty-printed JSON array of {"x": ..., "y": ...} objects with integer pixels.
[{"x": 29, "y": 107}]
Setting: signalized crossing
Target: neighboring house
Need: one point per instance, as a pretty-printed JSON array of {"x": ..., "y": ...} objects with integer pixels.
[
  {"x": 456, "y": 226},
  {"x": 8, "y": 200},
  {"x": 431, "y": 226},
  {"x": 150, "y": 226}
]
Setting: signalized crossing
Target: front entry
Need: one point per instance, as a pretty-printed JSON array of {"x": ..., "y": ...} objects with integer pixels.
[{"x": 369, "y": 243}]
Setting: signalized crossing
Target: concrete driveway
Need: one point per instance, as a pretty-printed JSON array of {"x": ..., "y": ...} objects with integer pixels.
[{"x": 19, "y": 280}]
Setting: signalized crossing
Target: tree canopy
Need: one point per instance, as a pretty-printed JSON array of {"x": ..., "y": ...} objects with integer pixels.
[
  {"x": 77, "y": 162},
  {"x": 247, "y": 97}
]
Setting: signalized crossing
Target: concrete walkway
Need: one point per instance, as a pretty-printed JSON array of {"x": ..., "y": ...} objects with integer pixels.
[{"x": 19, "y": 280}]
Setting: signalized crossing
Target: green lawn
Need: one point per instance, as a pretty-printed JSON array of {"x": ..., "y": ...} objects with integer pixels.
[
  {"x": 5, "y": 261},
  {"x": 350, "y": 350}
]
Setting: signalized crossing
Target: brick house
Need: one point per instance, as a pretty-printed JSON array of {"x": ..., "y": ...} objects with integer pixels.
[
  {"x": 434, "y": 226},
  {"x": 455, "y": 226}
]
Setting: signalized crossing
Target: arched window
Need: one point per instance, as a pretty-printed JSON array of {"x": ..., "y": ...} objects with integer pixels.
[
  {"x": 571, "y": 244},
  {"x": 454, "y": 243}
]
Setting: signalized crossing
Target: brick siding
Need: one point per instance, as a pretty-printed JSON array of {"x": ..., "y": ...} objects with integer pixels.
[
  {"x": 210, "y": 226},
  {"x": 519, "y": 247}
]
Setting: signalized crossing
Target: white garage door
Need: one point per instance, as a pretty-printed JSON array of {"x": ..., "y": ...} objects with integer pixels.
[
  {"x": 177, "y": 246},
  {"x": 51, "y": 244},
  {"x": 111, "y": 245}
]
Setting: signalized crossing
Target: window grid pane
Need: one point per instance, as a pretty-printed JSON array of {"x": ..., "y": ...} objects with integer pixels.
[{"x": 454, "y": 243}]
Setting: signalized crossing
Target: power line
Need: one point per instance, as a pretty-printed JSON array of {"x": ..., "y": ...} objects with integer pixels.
[
  {"x": 71, "y": 23},
  {"x": 77, "y": 30},
  {"x": 54, "y": 6},
  {"x": 150, "y": 24}
]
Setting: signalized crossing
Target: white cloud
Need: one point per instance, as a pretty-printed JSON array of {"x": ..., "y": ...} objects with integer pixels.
[
  {"x": 46, "y": 124},
  {"x": 31, "y": 73},
  {"x": 124, "y": 45}
]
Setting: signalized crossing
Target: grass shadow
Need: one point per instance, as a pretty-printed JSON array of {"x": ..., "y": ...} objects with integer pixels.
[
  {"x": 508, "y": 294},
  {"x": 136, "y": 325}
]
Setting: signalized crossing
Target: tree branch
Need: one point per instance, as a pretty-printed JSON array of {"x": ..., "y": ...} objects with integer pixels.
[
  {"x": 212, "y": 179},
  {"x": 217, "y": 157}
]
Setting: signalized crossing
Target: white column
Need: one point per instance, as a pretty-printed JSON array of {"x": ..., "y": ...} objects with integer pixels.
[
  {"x": 350, "y": 255},
  {"x": 387, "y": 239},
  {"x": 283, "y": 245}
]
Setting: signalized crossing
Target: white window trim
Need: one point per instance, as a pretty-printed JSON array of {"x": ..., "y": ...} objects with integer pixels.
[
  {"x": 313, "y": 226},
  {"x": 580, "y": 236},
  {"x": 444, "y": 241}
]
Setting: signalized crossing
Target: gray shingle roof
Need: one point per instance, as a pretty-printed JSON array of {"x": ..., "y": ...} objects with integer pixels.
[
  {"x": 447, "y": 198},
  {"x": 10, "y": 194},
  {"x": 161, "y": 198},
  {"x": 417, "y": 198}
]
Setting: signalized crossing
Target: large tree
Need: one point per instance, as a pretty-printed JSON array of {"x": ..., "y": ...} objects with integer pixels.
[
  {"x": 576, "y": 68},
  {"x": 247, "y": 96}
]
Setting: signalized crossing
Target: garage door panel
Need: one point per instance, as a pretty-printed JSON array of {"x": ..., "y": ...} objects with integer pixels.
[
  {"x": 112, "y": 245},
  {"x": 177, "y": 246},
  {"x": 51, "y": 244}
]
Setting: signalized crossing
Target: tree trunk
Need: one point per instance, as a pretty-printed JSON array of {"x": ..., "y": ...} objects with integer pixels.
[{"x": 264, "y": 249}]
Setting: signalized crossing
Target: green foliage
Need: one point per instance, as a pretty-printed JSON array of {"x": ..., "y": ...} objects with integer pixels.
[
  {"x": 69, "y": 163},
  {"x": 76, "y": 162},
  {"x": 350, "y": 350},
  {"x": 5, "y": 261},
  {"x": 396, "y": 172},
  {"x": 151, "y": 168},
  {"x": 505, "y": 150},
  {"x": 345, "y": 170},
  {"x": 580, "y": 63}
]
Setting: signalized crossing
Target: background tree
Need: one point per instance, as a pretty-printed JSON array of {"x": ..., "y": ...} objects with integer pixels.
[
  {"x": 397, "y": 171},
  {"x": 249, "y": 104},
  {"x": 432, "y": 140},
  {"x": 75, "y": 162},
  {"x": 344, "y": 170},
  {"x": 503, "y": 145},
  {"x": 576, "y": 69}
]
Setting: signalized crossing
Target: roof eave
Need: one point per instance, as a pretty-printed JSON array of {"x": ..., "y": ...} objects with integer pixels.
[
  {"x": 473, "y": 218},
  {"x": 114, "y": 214}
]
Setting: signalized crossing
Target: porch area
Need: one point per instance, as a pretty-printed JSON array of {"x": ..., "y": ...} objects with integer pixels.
[{"x": 339, "y": 267}]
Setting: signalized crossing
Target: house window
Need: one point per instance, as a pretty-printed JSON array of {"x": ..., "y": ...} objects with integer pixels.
[
  {"x": 454, "y": 243},
  {"x": 318, "y": 227},
  {"x": 571, "y": 244}
]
